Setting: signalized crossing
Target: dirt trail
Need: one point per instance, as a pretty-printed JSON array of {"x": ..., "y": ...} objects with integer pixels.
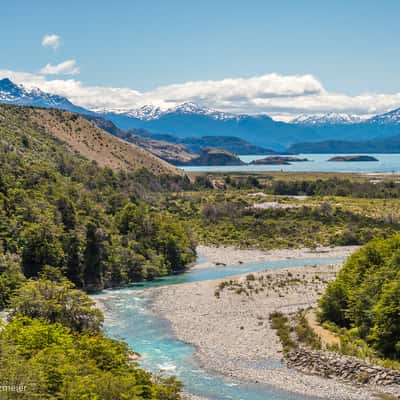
[{"x": 327, "y": 337}]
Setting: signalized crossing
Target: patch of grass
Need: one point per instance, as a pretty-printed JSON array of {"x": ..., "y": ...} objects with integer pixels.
[
  {"x": 304, "y": 333},
  {"x": 280, "y": 323}
]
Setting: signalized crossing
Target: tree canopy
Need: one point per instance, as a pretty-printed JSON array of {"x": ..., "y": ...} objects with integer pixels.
[{"x": 365, "y": 296}]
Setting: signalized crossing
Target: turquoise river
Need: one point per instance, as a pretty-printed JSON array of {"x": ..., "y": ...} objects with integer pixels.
[{"x": 128, "y": 316}]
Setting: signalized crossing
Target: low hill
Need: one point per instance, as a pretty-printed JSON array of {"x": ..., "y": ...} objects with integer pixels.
[
  {"x": 230, "y": 143},
  {"x": 87, "y": 139}
]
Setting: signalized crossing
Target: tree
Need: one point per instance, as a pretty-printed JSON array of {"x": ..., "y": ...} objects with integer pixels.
[
  {"x": 95, "y": 255},
  {"x": 57, "y": 302},
  {"x": 41, "y": 246},
  {"x": 333, "y": 304},
  {"x": 55, "y": 363},
  {"x": 386, "y": 330},
  {"x": 11, "y": 277}
]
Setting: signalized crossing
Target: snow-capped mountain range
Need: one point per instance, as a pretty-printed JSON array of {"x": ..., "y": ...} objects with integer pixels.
[
  {"x": 191, "y": 120},
  {"x": 326, "y": 119},
  {"x": 10, "y": 93},
  {"x": 149, "y": 112}
]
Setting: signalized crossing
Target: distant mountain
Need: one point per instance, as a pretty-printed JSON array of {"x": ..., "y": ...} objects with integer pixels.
[
  {"x": 10, "y": 93},
  {"x": 196, "y": 144},
  {"x": 189, "y": 120},
  {"x": 230, "y": 143},
  {"x": 326, "y": 119},
  {"x": 389, "y": 118},
  {"x": 386, "y": 145},
  {"x": 149, "y": 112}
]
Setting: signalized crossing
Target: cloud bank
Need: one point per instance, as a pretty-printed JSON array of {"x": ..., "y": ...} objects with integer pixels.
[
  {"x": 52, "y": 41},
  {"x": 68, "y": 67},
  {"x": 280, "y": 96}
]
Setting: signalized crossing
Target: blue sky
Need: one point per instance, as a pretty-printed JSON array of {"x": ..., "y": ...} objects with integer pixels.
[{"x": 350, "y": 47}]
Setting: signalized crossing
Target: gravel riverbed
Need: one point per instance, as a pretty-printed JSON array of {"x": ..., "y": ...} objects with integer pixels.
[{"x": 231, "y": 331}]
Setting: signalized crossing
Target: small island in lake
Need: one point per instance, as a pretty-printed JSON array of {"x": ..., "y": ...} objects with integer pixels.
[
  {"x": 278, "y": 160},
  {"x": 214, "y": 156},
  {"x": 353, "y": 158}
]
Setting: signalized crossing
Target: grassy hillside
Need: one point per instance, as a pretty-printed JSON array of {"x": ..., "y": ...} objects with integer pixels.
[{"x": 87, "y": 139}]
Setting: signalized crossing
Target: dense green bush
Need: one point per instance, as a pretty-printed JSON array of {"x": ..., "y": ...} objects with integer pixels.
[
  {"x": 365, "y": 296},
  {"x": 52, "y": 362},
  {"x": 57, "y": 302}
]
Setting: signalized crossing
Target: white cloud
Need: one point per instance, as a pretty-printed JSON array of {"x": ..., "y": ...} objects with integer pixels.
[
  {"x": 68, "y": 67},
  {"x": 52, "y": 41},
  {"x": 281, "y": 96}
]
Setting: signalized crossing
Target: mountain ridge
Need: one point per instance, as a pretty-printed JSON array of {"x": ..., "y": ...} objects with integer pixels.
[
  {"x": 388, "y": 145},
  {"x": 325, "y": 119},
  {"x": 189, "y": 120}
]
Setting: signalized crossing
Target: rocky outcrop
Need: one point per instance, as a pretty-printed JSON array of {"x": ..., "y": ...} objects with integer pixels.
[
  {"x": 334, "y": 365},
  {"x": 211, "y": 156},
  {"x": 353, "y": 158},
  {"x": 277, "y": 160}
]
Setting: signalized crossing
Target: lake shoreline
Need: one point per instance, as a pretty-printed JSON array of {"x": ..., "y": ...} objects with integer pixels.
[
  {"x": 318, "y": 162},
  {"x": 231, "y": 333}
]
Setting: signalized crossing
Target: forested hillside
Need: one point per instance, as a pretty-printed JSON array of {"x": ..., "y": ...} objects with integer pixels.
[
  {"x": 65, "y": 223},
  {"x": 59, "y": 209}
]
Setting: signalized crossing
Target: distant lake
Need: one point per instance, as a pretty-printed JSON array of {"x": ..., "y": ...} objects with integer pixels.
[{"x": 317, "y": 163}]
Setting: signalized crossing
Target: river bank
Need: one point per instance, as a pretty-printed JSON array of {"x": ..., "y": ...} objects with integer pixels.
[
  {"x": 230, "y": 328},
  {"x": 229, "y": 255}
]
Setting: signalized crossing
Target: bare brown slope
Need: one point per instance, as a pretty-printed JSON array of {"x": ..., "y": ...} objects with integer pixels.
[{"x": 95, "y": 144}]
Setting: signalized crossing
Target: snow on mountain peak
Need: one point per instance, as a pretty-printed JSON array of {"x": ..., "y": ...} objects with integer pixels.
[
  {"x": 149, "y": 112},
  {"x": 11, "y": 93},
  {"x": 391, "y": 117},
  {"x": 331, "y": 118},
  {"x": 146, "y": 112}
]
